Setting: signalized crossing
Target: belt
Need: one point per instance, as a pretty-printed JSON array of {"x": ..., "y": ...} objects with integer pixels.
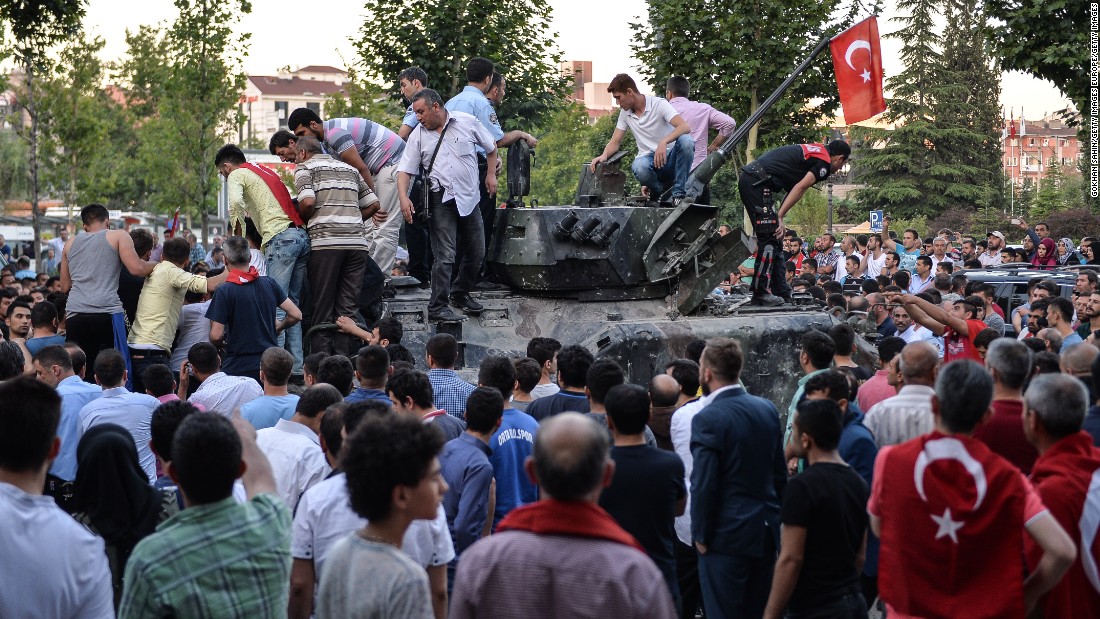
[{"x": 146, "y": 353}]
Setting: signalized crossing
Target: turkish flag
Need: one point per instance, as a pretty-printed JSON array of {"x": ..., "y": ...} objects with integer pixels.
[{"x": 857, "y": 60}]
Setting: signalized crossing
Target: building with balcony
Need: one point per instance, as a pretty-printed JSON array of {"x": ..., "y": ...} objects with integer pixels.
[
  {"x": 268, "y": 100},
  {"x": 1032, "y": 148}
]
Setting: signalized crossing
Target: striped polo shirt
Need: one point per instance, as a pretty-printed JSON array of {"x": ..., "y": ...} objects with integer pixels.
[
  {"x": 339, "y": 192},
  {"x": 377, "y": 145}
]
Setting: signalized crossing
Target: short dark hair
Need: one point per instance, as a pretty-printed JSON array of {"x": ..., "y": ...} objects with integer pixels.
[
  {"x": 372, "y": 363},
  {"x": 889, "y": 347},
  {"x": 443, "y": 348},
  {"x": 54, "y": 355},
  {"x": 429, "y": 96},
  {"x": 621, "y": 82},
  {"x": 176, "y": 250},
  {"x": 158, "y": 380},
  {"x": 411, "y": 384},
  {"x": 686, "y": 372},
  {"x": 280, "y": 139},
  {"x": 384, "y": 454},
  {"x": 819, "y": 348},
  {"x": 528, "y": 373},
  {"x": 844, "y": 338},
  {"x": 16, "y": 305},
  {"x": 484, "y": 407},
  {"x": 94, "y": 213},
  {"x": 230, "y": 153},
  {"x": 414, "y": 73},
  {"x": 356, "y": 412},
  {"x": 821, "y": 419},
  {"x": 28, "y": 423},
  {"x": 571, "y": 476},
  {"x": 478, "y": 68},
  {"x": 203, "y": 356},
  {"x": 302, "y": 116},
  {"x": 628, "y": 407},
  {"x": 206, "y": 457},
  {"x": 1061, "y": 305},
  {"x": 602, "y": 375},
  {"x": 925, "y": 260},
  {"x": 964, "y": 390},
  {"x": 832, "y": 382},
  {"x": 573, "y": 364},
  {"x": 390, "y": 328},
  {"x": 399, "y": 354},
  {"x": 839, "y": 147},
  {"x": 312, "y": 363},
  {"x": 165, "y": 421},
  {"x": 336, "y": 370},
  {"x": 543, "y": 349},
  {"x": 332, "y": 425},
  {"x": 43, "y": 315},
  {"x": 276, "y": 364},
  {"x": 902, "y": 279},
  {"x": 498, "y": 372},
  {"x": 694, "y": 349},
  {"x": 316, "y": 399},
  {"x": 110, "y": 368},
  {"x": 724, "y": 358},
  {"x": 76, "y": 354},
  {"x": 678, "y": 86},
  {"x": 985, "y": 337}
]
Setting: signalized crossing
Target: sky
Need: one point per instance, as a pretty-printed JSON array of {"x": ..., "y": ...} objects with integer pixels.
[{"x": 596, "y": 31}]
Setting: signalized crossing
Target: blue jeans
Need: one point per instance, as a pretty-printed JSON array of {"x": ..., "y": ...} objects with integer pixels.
[
  {"x": 675, "y": 171},
  {"x": 287, "y": 254}
]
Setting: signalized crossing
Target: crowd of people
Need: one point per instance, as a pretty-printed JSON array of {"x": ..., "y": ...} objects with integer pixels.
[{"x": 168, "y": 448}]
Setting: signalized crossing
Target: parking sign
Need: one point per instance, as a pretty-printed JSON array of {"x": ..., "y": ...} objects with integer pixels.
[{"x": 876, "y": 221}]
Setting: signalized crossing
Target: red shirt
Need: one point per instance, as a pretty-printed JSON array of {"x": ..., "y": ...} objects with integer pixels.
[
  {"x": 1004, "y": 434},
  {"x": 955, "y": 346}
]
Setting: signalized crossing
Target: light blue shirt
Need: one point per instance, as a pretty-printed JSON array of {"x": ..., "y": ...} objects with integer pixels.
[
  {"x": 132, "y": 411},
  {"x": 472, "y": 101},
  {"x": 410, "y": 118},
  {"x": 75, "y": 393},
  {"x": 266, "y": 411},
  {"x": 1070, "y": 341}
]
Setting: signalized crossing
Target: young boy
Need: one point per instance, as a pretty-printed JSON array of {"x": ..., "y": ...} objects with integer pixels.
[
  {"x": 393, "y": 478},
  {"x": 824, "y": 535}
]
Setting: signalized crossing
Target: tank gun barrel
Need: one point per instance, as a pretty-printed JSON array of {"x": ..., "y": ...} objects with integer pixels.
[{"x": 705, "y": 171}]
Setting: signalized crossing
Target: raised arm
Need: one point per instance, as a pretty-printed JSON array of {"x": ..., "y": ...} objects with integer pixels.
[
  {"x": 932, "y": 316},
  {"x": 126, "y": 252},
  {"x": 611, "y": 148}
]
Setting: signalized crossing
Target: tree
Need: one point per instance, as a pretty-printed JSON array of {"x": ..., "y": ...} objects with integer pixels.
[
  {"x": 190, "y": 87},
  {"x": 14, "y": 181},
  {"x": 441, "y": 36},
  {"x": 35, "y": 27},
  {"x": 360, "y": 98},
  {"x": 736, "y": 52},
  {"x": 1048, "y": 39}
]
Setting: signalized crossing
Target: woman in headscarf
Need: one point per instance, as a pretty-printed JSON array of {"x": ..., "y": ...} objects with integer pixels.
[
  {"x": 1066, "y": 252},
  {"x": 113, "y": 495},
  {"x": 1045, "y": 254},
  {"x": 1090, "y": 251}
]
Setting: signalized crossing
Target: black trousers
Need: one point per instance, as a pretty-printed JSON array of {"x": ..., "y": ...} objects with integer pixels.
[
  {"x": 419, "y": 241},
  {"x": 687, "y": 576},
  {"x": 454, "y": 235},
  {"x": 486, "y": 208},
  {"x": 92, "y": 333},
  {"x": 752, "y": 196},
  {"x": 335, "y": 278}
]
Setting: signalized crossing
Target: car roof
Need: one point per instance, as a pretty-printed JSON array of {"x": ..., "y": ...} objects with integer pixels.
[{"x": 1023, "y": 272}]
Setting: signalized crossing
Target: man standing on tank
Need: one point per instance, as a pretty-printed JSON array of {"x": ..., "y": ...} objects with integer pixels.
[
  {"x": 791, "y": 169},
  {"x": 90, "y": 266}
]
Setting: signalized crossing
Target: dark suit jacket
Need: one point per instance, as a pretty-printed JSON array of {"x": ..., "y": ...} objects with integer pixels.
[{"x": 738, "y": 474}]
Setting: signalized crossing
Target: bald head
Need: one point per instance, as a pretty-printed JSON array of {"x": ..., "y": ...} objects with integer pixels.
[
  {"x": 664, "y": 391},
  {"x": 571, "y": 457},
  {"x": 1077, "y": 360},
  {"x": 918, "y": 363}
]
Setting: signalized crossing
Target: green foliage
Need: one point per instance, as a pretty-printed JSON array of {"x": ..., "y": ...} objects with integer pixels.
[
  {"x": 561, "y": 152},
  {"x": 362, "y": 99},
  {"x": 811, "y": 215},
  {"x": 188, "y": 80},
  {"x": 944, "y": 152},
  {"x": 15, "y": 183},
  {"x": 736, "y": 52},
  {"x": 440, "y": 37},
  {"x": 1057, "y": 192},
  {"x": 1048, "y": 39}
]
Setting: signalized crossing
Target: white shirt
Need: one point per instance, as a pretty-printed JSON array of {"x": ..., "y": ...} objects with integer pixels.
[
  {"x": 652, "y": 126},
  {"x": 52, "y": 567},
  {"x": 324, "y": 517},
  {"x": 194, "y": 327},
  {"x": 873, "y": 266},
  {"x": 543, "y": 390},
  {"x": 936, "y": 261},
  {"x": 256, "y": 259},
  {"x": 132, "y": 411},
  {"x": 455, "y": 168},
  {"x": 903, "y": 417},
  {"x": 221, "y": 393},
  {"x": 988, "y": 259},
  {"x": 296, "y": 457},
  {"x": 920, "y": 333}
]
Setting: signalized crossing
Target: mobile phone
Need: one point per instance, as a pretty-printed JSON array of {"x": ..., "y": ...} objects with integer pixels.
[{"x": 1015, "y": 221}]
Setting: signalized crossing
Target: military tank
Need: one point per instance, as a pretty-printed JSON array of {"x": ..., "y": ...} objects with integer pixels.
[{"x": 628, "y": 277}]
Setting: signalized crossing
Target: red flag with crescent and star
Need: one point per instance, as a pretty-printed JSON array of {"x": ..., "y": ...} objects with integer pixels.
[
  {"x": 952, "y": 515},
  {"x": 857, "y": 60}
]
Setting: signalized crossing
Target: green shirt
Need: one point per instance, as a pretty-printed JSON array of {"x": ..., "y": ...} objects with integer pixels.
[
  {"x": 222, "y": 560},
  {"x": 792, "y": 410}
]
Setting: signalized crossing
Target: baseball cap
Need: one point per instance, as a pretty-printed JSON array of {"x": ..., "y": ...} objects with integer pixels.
[{"x": 996, "y": 234}]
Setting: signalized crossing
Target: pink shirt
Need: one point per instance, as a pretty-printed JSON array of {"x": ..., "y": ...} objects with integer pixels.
[
  {"x": 701, "y": 117},
  {"x": 875, "y": 390}
]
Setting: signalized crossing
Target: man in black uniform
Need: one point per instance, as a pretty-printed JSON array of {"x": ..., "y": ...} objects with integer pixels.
[{"x": 792, "y": 169}]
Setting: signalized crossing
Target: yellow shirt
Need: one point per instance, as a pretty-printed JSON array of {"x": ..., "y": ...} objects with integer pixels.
[
  {"x": 158, "y": 310},
  {"x": 249, "y": 194}
]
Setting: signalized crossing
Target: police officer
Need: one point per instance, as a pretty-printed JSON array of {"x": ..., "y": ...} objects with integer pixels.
[{"x": 792, "y": 169}]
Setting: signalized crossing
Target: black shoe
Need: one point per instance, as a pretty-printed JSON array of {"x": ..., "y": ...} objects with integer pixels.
[
  {"x": 465, "y": 302},
  {"x": 767, "y": 300},
  {"x": 445, "y": 314}
]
